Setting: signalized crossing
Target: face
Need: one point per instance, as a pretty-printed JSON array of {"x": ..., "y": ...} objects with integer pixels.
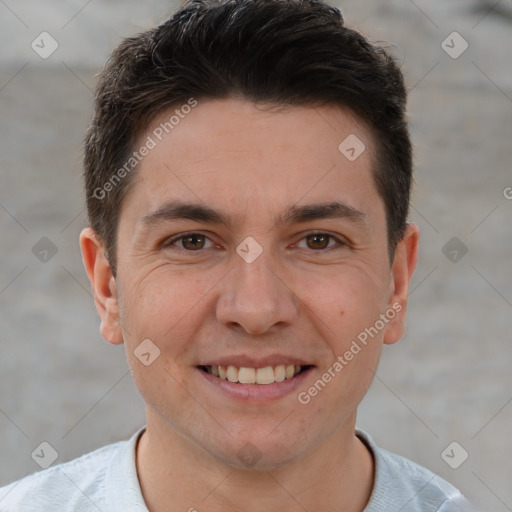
[{"x": 249, "y": 240}]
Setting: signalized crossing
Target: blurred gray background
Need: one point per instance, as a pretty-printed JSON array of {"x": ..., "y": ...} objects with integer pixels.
[{"x": 449, "y": 378}]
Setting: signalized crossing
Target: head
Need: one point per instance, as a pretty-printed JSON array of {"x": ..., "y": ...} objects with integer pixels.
[
  {"x": 268, "y": 52},
  {"x": 245, "y": 108}
]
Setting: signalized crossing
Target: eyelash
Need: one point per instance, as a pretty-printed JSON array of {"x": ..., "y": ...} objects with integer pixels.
[{"x": 171, "y": 241}]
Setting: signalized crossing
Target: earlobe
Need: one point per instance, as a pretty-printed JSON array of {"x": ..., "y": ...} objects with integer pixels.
[
  {"x": 404, "y": 263},
  {"x": 103, "y": 285}
]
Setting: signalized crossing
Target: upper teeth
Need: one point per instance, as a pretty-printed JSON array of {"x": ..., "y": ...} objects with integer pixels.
[{"x": 267, "y": 375}]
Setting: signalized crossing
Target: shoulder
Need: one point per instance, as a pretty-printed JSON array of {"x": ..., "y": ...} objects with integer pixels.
[
  {"x": 401, "y": 484},
  {"x": 74, "y": 485}
]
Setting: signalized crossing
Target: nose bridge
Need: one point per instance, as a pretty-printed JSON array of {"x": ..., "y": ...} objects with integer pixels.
[
  {"x": 254, "y": 297},
  {"x": 256, "y": 282}
]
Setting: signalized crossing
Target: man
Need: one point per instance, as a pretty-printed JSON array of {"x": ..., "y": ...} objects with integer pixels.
[{"x": 248, "y": 172}]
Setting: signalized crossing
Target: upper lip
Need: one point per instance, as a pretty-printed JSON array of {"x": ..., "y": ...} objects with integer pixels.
[{"x": 252, "y": 362}]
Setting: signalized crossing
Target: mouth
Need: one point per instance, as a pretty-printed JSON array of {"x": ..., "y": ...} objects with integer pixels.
[{"x": 260, "y": 376}]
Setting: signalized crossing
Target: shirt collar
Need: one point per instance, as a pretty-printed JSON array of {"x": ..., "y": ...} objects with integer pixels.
[
  {"x": 123, "y": 492},
  {"x": 122, "y": 487}
]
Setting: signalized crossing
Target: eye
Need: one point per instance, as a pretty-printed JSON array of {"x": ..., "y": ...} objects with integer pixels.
[
  {"x": 193, "y": 242},
  {"x": 320, "y": 241},
  {"x": 188, "y": 241}
]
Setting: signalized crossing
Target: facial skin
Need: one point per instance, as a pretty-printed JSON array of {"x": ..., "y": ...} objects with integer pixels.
[{"x": 303, "y": 297}]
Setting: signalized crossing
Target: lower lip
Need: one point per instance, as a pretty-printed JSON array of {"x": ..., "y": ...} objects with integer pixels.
[{"x": 257, "y": 392}]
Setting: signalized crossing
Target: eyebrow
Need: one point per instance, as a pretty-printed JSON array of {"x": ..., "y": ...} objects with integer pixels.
[{"x": 179, "y": 210}]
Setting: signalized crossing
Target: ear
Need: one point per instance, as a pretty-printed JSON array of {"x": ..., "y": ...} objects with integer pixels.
[
  {"x": 103, "y": 285},
  {"x": 404, "y": 263}
]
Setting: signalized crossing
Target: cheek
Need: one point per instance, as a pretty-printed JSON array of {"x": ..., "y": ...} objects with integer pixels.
[
  {"x": 349, "y": 308},
  {"x": 160, "y": 303},
  {"x": 346, "y": 304},
  {"x": 160, "y": 310}
]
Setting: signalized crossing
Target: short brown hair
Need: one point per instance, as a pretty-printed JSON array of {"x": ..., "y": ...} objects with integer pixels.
[{"x": 280, "y": 52}]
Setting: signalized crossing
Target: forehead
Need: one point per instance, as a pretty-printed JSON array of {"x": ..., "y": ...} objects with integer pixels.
[{"x": 232, "y": 155}]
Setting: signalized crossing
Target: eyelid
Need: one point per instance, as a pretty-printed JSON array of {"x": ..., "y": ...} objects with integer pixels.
[
  {"x": 173, "y": 239},
  {"x": 341, "y": 241}
]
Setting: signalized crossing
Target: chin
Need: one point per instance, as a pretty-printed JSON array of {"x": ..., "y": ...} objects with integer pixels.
[{"x": 255, "y": 452}]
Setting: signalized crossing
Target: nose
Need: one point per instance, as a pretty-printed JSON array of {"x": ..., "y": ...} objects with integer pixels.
[{"x": 255, "y": 297}]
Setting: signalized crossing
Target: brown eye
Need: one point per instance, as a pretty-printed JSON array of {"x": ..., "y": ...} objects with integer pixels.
[
  {"x": 318, "y": 241},
  {"x": 188, "y": 242},
  {"x": 321, "y": 242},
  {"x": 193, "y": 242}
]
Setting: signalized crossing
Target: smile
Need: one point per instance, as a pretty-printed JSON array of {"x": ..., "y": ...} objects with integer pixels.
[{"x": 244, "y": 375}]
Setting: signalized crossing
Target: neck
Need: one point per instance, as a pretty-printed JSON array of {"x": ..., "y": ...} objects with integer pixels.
[{"x": 336, "y": 476}]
